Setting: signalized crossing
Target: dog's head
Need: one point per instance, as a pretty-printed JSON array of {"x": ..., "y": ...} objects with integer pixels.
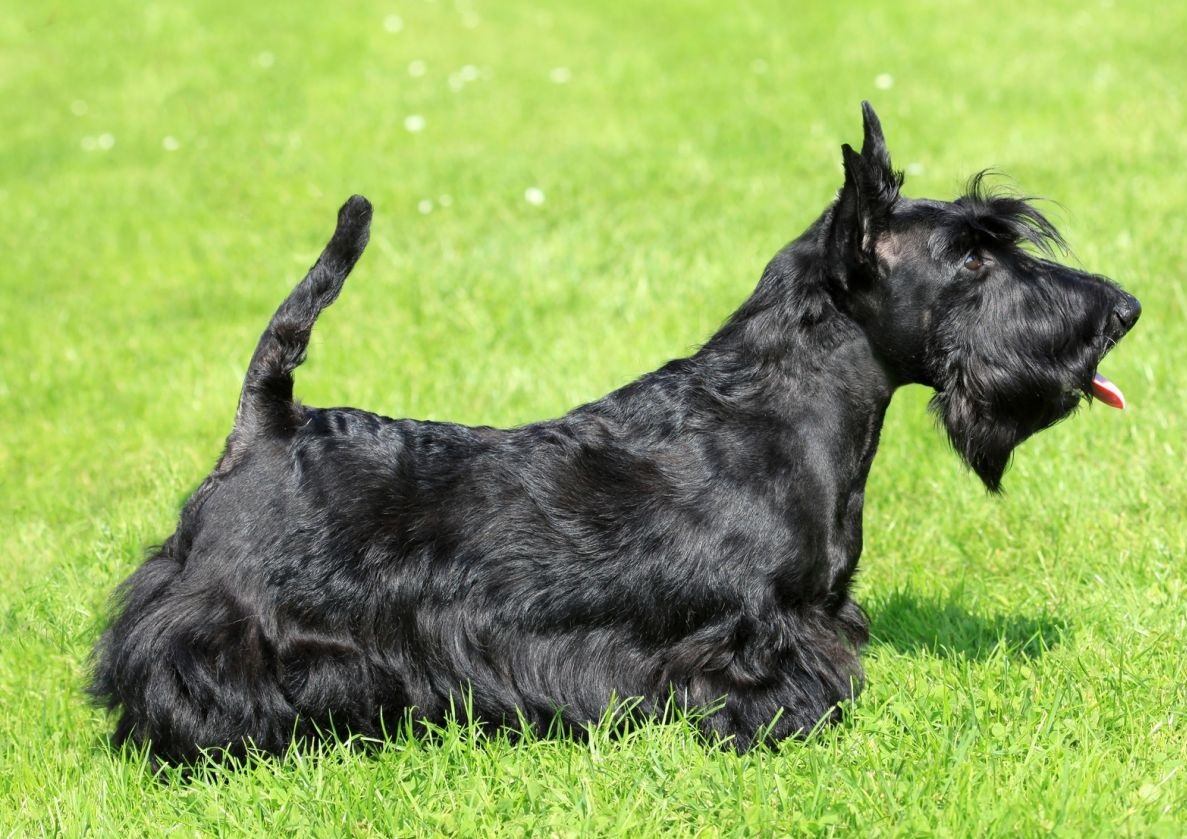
[{"x": 965, "y": 296}]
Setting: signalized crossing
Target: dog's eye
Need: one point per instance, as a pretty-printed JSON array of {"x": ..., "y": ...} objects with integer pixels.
[{"x": 974, "y": 262}]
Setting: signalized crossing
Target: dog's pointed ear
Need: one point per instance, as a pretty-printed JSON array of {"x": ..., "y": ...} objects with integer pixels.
[
  {"x": 873, "y": 145},
  {"x": 864, "y": 203},
  {"x": 851, "y": 226}
]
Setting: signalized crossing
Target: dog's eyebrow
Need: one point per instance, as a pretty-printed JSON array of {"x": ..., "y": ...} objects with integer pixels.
[{"x": 991, "y": 217}]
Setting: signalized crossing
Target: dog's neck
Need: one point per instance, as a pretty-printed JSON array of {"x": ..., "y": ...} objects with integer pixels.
[
  {"x": 782, "y": 408},
  {"x": 805, "y": 383},
  {"x": 789, "y": 343}
]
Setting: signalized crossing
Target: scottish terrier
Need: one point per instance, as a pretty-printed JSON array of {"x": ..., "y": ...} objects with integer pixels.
[{"x": 689, "y": 537}]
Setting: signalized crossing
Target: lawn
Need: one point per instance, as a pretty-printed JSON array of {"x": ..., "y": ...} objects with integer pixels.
[{"x": 566, "y": 196}]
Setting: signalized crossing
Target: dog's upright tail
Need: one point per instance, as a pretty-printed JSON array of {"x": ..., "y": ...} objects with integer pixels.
[{"x": 266, "y": 403}]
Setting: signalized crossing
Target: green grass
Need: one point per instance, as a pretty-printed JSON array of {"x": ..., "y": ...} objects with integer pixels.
[{"x": 1027, "y": 671}]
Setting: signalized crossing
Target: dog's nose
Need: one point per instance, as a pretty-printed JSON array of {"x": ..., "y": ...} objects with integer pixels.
[{"x": 1126, "y": 314}]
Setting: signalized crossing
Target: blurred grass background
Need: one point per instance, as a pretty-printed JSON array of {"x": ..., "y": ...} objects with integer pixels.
[{"x": 566, "y": 196}]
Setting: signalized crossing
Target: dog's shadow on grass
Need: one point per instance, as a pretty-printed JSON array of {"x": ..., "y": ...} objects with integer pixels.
[{"x": 911, "y": 623}]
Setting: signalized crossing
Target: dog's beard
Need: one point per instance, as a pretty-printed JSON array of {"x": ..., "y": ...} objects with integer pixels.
[
  {"x": 985, "y": 435},
  {"x": 993, "y": 396}
]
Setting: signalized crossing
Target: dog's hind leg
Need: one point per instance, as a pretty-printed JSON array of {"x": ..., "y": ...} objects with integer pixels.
[{"x": 266, "y": 403}]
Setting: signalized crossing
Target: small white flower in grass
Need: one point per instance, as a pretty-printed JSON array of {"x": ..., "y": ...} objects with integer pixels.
[
  {"x": 393, "y": 23},
  {"x": 414, "y": 123},
  {"x": 105, "y": 141},
  {"x": 424, "y": 206},
  {"x": 78, "y": 107},
  {"x": 87, "y": 143},
  {"x": 914, "y": 168},
  {"x": 759, "y": 66},
  {"x": 445, "y": 199},
  {"x": 560, "y": 75},
  {"x": 417, "y": 68},
  {"x": 265, "y": 59},
  {"x": 455, "y": 82},
  {"x": 170, "y": 143},
  {"x": 534, "y": 196},
  {"x": 884, "y": 81},
  {"x": 470, "y": 20},
  {"x": 468, "y": 73}
]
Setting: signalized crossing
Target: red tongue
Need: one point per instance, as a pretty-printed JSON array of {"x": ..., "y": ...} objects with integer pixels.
[{"x": 1107, "y": 392}]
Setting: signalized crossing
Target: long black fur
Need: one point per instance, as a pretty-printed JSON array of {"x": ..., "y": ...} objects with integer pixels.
[{"x": 692, "y": 535}]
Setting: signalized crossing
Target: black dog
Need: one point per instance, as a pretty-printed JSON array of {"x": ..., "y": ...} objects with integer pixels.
[{"x": 690, "y": 537}]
